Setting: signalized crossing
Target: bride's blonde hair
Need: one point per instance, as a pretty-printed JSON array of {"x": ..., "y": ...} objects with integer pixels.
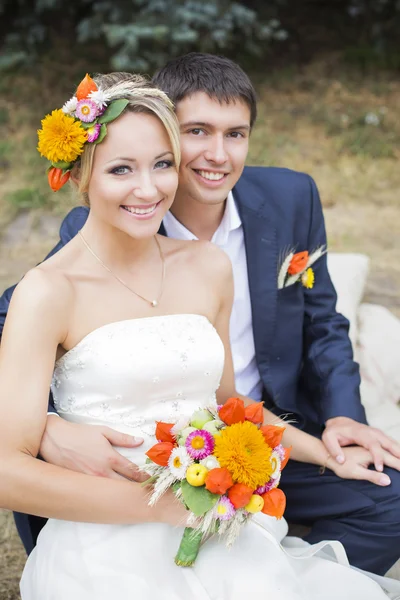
[{"x": 143, "y": 97}]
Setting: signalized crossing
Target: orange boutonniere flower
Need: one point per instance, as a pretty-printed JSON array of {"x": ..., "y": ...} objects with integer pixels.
[
  {"x": 298, "y": 263},
  {"x": 297, "y": 268}
]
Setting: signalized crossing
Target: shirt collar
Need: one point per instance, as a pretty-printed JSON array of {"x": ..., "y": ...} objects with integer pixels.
[{"x": 230, "y": 221}]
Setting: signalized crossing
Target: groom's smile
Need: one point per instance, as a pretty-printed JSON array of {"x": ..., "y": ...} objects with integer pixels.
[
  {"x": 210, "y": 178},
  {"x": 214, "y": 144}
]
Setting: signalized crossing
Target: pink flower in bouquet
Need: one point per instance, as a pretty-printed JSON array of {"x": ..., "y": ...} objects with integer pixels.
[
  {"x": 280, "y": 450},
  {"x": 224, "y": 509},
  {"x": 199, "y": 444},
  {"x": 270, "y": 485}
]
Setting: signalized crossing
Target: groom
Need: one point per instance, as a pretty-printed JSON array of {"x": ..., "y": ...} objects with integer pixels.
[{"x": 290, "y": 347}]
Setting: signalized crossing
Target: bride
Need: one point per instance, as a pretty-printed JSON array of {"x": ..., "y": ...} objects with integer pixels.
[{"x": 128, "y": 327}]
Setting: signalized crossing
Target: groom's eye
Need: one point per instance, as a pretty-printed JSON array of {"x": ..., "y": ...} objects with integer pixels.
[
  {"x": 197, "y": 131},
  {"x": 236, "y": 134}
]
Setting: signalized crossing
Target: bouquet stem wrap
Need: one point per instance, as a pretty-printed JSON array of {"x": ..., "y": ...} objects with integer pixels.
[{"x": 189, "y": 547}]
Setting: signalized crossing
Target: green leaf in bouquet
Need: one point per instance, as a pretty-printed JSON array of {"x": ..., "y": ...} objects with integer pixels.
[
  {"x": 113, "y": 111},
  {"x": 198, "y": 499},
  {"x": 176, "y": 486}
]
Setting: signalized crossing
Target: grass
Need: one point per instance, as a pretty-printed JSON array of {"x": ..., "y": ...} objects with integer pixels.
[
  {"x": 12, "y": 558},
  {"x": 26, "y": 198},
  {"x": 313, "y": 120}
]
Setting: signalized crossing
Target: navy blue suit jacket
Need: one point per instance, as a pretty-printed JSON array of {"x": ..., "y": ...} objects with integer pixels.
[{"x": 302, "y": 346}]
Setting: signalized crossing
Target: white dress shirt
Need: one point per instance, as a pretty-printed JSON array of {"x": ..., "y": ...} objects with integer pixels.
[{"x": 229, "y": 236}]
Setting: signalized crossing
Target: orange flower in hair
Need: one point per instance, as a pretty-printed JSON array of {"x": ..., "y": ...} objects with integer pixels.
[
  {"x": 57, "y": 178},
  {"x": 86, "y": 86}
]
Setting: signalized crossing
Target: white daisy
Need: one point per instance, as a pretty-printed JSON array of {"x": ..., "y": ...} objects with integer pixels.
[
  {"x": 70, "y": 107},
  {"x": 179, "y": 461},
  {"x": 100, "y": 97},
  {"x": 210, "y": 462},
  {"x": 275, "y": 464}
]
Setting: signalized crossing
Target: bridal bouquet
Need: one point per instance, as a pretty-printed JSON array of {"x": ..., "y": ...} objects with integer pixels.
[{"x": 223, "y": 465}]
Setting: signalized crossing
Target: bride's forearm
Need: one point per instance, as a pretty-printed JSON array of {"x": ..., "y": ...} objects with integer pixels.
[
  {"x": 29, "y": 485},
  {"x": 305, "y": 447}
]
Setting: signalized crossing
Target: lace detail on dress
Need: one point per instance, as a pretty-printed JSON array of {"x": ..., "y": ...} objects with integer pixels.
[{"x": 129, "y": 374}]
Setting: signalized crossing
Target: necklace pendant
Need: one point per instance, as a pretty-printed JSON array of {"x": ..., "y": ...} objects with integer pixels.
[{"x": 154, "y": 303}]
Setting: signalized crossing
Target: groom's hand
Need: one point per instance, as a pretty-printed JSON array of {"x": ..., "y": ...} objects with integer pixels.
[
  {"x": 89, "y": 449},
  {"x": 342, "y": 431},
  {"x": 358, "y": 466}
]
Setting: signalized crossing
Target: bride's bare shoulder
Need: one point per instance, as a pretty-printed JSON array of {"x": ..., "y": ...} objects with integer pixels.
[{"x": 43, "y": 290}]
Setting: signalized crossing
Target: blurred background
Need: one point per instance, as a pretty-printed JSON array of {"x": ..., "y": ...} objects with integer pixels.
[{"x": 327, "y": 76}]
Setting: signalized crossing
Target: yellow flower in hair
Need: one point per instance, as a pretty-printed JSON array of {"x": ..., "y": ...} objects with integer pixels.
[
  {"x": 308, "y": 278},
  {"x": 241, "y": 448},
  {"x": 61, "y": 137}
]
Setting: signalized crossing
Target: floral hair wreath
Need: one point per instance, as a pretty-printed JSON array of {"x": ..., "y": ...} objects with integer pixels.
[{"x": 83, "y": 119}]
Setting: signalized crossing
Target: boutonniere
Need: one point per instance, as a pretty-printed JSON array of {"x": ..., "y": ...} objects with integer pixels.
[{"x": 297, "y": 267}]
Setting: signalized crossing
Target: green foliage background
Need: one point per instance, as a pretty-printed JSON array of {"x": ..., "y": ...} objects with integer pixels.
[{"x": 141, "y": 35}]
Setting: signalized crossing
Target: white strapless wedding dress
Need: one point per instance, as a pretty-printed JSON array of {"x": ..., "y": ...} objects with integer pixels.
[{"x": 127, "y": 375}]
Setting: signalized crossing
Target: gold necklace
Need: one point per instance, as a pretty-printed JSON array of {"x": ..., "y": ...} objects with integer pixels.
[{"x": 152, "y": 303}]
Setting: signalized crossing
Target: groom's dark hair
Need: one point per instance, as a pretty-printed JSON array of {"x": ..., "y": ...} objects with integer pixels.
[{"x": 217, "y": 76}]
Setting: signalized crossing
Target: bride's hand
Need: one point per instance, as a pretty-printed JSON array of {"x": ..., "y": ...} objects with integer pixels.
[
  {"x": 171, "y": 511},
  {"x": 88, "y": 449},
  {"x": 356, "y": 465}
]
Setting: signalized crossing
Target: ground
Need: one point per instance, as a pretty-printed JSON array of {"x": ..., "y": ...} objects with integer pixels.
[{"x": 339, "y": 126}]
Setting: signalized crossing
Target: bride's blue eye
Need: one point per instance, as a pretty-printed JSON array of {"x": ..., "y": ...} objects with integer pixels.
[
  {"x": 122, "y": 170},
  {"x": 163, "y": 164}
]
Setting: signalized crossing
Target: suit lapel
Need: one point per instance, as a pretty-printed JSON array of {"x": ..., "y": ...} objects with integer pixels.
[
  {"x": 262, "y": 265},
  {"x": 162, "y": 231}
]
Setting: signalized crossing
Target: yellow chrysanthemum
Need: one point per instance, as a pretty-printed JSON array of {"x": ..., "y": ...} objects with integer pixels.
[
  {"x": 61, "y": 137},
  {"x": 241, "y": 448},
  {"x": 308, "y": 278}
]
